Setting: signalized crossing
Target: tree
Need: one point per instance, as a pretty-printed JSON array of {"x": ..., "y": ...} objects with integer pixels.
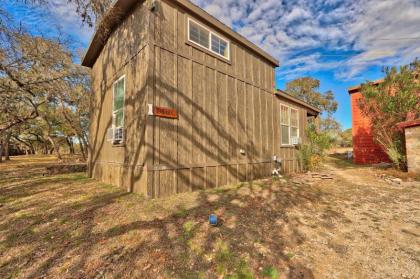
[
  {"x": 307, "y": 89},
  {"x": 44, "y": 96},
  {"x": 74, "y": 109},
  {"x": 89, "y": 10},
  {"x": 32, "y": 68},
  {"x": 332, "y": 128},
  {"x": 389, "y": 103},
  {"x": 346, "y": 138}
]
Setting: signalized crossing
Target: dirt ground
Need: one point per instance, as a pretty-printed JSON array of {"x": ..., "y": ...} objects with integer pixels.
[{"x": 68, "y": 226}]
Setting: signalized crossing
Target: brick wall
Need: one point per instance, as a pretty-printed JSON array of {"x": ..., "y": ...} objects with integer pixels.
[
  {"x": 365, "y": 150},
  {"x": 412, "y": 143}
]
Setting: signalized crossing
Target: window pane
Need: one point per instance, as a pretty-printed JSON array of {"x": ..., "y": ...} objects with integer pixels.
[
  {"x": 284, "y": 115},
  {"x": 293, "y": 118},
  {"x": 215, "y": 44},
  {"x": 199, "y": 35},
  {"x": 224, "y": 49},
  {"x": 284, "y": 134},
  {"x": 119, "y": 95},
  {"x": 294, "y": 132},
  {"x": 119, "y": 118},
  {"x": 219, "y": 45}
]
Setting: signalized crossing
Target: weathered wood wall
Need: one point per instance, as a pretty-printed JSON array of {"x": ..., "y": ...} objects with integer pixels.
[
  {"x": 223, "y": 107},
  {"x": 125, "y": 53}
]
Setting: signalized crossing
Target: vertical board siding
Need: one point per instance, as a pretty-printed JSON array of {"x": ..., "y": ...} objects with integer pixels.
[
  {"x": 222, "y": 108},
  {"x": 210, "y": 117},
  {"x": 198, "y": 116},
  {"x": 231, "y": 117},
  {"x": 241, "y": 136},
  {"x": 222, "y": 117},
  {"x": 185, "y": 111},
  {"x": 124, "y": 53}
]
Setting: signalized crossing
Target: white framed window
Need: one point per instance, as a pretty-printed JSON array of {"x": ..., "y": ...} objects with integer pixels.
[
  {"x": 204, "y": 37},
  {"x": 294, "y": 123},
  {"x": 285, "y": 125},
  {"x": 289, "y": 122},
  {"x": 118, "y": 101}
]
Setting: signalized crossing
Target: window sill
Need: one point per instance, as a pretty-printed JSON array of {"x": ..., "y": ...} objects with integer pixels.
[
  {"x": 118, "y": 145},
  {"x": 205, "y": 50}
]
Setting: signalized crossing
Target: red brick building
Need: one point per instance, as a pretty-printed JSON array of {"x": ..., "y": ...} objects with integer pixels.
[{"x": 365, "y": 150}]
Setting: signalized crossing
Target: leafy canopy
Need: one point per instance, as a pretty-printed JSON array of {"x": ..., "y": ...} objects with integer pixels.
[
  {"x": 307, "y": 89},
  {"x": 394, "y": 100}
]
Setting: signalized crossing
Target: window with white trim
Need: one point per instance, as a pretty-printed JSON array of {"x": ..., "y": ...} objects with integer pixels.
[
  {"x": 204, "y": 37},
  {"x": 294, "y": 123},
  {"x": 285, "y": 125},
  {"x": 118, "y": 107},
  {"x": 289, "y": 121}
]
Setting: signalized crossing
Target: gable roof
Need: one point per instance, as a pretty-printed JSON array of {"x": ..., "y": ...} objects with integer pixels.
[
  {"x": 123, "y": 8},
  {"x": 283, "y": 94}
]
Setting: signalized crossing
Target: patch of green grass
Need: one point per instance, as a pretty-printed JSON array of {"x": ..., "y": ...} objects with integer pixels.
[
  {"x": 17, "y": 273},
  {"x": 224, "y": 257},
  {"x": 79, "y": 176},
  {"x": 189, "y": 228},
  {"x": 229, "y": 265},
  {"x": 242, "y": 271},
  {"x": 290, "y": 255},
  {"x": 181, "y": 213},
  {"x": 241, "y": 184},
  {"x": 108, "y": 187},
  {"x": 270, "y": 272}
]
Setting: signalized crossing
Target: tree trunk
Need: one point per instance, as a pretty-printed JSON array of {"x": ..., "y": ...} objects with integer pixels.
[
  {"x": 82, "y": 148},
  {"x": 29, "y": 147},
  {"x": 6, "y": 147},
  {"x": 70, "y": 144},
  {"x": 56, "y": 147},
  {"x": 45, "y": 148},
  {"x": 1, "y": 151}
]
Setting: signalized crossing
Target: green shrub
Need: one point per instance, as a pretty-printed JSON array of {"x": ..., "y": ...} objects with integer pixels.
[
  {"x": 397, "y": 156},
  {"x": 270, "y": 272},
  {"x": 312, "y": 153}
]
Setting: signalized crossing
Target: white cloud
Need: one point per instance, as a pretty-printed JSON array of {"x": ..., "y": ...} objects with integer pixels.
[
  {"x": 58, "y": 17},
  {"x": 64, "y": 14},
  {"x": 368, "y": 30}
]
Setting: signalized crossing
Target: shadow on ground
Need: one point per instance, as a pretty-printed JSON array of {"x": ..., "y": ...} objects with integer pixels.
[{"x": 71, "y": 226}]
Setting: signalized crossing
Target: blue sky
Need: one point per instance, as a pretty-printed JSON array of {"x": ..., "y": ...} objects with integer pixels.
[{"x": 340, "y": 42}]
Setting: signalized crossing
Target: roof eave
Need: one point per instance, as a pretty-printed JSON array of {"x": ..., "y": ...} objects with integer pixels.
[
  {"x": 286, "y": 95},
  {"x": 119, "y": 9}
]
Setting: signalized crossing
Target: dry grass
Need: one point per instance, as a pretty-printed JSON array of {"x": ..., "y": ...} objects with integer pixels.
[{"x": 69, "y": 226}]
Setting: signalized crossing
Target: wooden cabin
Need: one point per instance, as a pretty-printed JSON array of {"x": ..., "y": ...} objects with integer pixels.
[{"x": 182, "y": 102}]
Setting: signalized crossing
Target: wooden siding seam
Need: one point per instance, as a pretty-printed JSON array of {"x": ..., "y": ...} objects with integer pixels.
[
  {"x": 164, "y": 167},
  {"x": 110, "y": 81}
]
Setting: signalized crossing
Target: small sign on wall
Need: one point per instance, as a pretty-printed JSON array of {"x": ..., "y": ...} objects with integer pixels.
[{"x": 163, "y": 112}]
